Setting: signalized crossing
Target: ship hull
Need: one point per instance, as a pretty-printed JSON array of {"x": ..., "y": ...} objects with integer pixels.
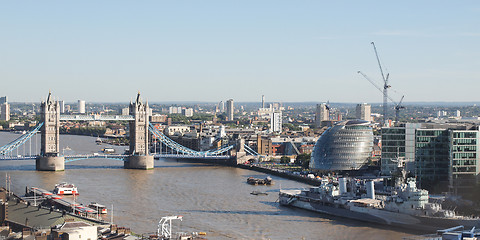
[{"x": 377, "y": 216}]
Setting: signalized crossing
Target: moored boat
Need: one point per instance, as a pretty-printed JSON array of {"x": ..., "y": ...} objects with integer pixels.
[
  {"x": 65, "y": 189},
  {"x": 259, "y": 181},
  {"x": 402, "y": 206},
  {"x": 99, "y": 207}
]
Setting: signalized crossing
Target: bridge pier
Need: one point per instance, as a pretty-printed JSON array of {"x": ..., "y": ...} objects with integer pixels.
[
  {"x": 50, "y": 163},
  {"x": 139, "y": 162}
]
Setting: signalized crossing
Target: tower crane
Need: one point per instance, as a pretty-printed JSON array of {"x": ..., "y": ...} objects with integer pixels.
[
  {"x": 385, "y": 86},
  {"x": 398, "y": 106}
]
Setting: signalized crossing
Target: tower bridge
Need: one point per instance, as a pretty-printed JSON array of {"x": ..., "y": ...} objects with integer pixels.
[{"x": 138, "y": 157}]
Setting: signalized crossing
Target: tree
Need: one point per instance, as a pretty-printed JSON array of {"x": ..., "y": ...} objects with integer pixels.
[
  {"x": 4, "y": 124},
  {"x": 284, "y": 159},
  {"x": 303, "y": 160}
]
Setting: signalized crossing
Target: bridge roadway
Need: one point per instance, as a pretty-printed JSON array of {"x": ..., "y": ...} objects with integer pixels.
[
  {"x": 96, "y": 118},
  {"x": 120, "y": 157}
]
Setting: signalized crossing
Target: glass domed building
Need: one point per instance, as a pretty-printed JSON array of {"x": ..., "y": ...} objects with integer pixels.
[{"x": 345, "y": 146}]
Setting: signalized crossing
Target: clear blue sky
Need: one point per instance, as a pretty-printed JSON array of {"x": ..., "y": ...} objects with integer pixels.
[{"x": 214, "y": 50}]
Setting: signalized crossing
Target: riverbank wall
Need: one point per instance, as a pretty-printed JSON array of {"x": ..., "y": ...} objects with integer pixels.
[{"x": 270, "y": 171}]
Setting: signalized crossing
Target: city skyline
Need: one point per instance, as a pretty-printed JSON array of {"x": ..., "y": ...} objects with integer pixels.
[{"x": 212, "y": 50}]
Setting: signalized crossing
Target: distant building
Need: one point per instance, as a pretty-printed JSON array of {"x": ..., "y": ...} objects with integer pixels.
[
  {"x": 264, "y": 113},
  {"x": 347, "y": 145},
  {"x": 221, "y": 107},
  {"x": 125, "y": 111},
  {"x": 174, "y": 109},
  {"x": 81, "y": 106},
  {"x": 5, "y": 115},
  {"x": 276, "y": 121},
  {"x": 230, "y": 109},
  {"x": 3, "y": 100},
  {"x": 177, "y": 130},
  {"x": 187, "y": 112},
  {"x": 264, "y": 145},
  {"x": 321, "y": 114},
  {"x": 364, "y": 111},
  {"x": 62, "y": 106},
  {"x": 263, "y": 101},
  {"x": 158, "y": 118}
]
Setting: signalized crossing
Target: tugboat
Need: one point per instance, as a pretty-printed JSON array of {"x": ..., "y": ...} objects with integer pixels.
[
  {"x": 259, "y": 181},
  {"x": 258, "y": 193},
  {"x": 65, "y": 189}
]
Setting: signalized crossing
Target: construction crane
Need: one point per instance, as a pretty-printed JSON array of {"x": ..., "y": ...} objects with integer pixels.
[
  {"x": 385, "y": 86},
  {"x": 398, "y": 106},
  {"x": 397, "y": 109}
]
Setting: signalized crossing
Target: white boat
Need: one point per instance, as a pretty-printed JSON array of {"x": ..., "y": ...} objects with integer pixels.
[
  {"x": 65, "y": 189},
  {"x": 98, "y": 207},
  {"x": 108, "y": 150}
]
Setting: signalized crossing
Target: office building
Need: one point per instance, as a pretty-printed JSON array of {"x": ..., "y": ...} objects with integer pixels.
[
  {"x": 230, "y": 109},
  {"x": 276, "y": 122},
  {"x": 364, "y": 111},
  {"x": 81, "y": 106},
  {"x": 464, "y": 159},
  {"x": 5, "y": 115},
  {"x": 446, "y": 156},
  {"x": 432, "y": 158},
  {"x": 3, "y": 100},
  {"x": 321, "y": 114},
  {"x": 398, "y": 142},
  {"x": 263, "y": 101}
]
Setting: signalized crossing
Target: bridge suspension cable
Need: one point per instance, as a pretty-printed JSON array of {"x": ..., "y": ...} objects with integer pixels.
[
  {"x": 250, "y": 151},
  {"x": 19, "y": 141},
  {"x": 179, "y": 148}
]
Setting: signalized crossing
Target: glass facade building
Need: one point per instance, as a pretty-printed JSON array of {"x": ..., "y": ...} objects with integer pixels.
[
  {"x": 443, "y": 157},
  {"x": 347, "y": 145},
  {"x": 464, "y": 159},
  {"x": 398, "y": 142},
  {"x": 432, "y": 158}
]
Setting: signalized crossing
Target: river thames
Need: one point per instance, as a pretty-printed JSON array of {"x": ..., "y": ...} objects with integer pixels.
[{"x": 211, "y": 198}]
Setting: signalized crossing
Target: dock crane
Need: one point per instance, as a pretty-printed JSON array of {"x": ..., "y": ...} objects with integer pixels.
[
  {"x": 398, "y": 106},
  {"x": 385, "y": 86}
]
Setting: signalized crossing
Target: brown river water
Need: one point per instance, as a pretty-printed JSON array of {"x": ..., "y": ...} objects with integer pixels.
[{"x": 211, "y": 198}]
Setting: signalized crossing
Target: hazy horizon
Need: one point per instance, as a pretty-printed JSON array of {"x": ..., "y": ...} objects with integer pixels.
[{"x": 290, "y": 51}]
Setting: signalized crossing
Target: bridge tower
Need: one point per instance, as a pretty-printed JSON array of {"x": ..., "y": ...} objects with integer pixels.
[
  {"x": 139, "y": 153},
  {"x": 241, "y": 156},
  {"x": 49, "y": 159}
]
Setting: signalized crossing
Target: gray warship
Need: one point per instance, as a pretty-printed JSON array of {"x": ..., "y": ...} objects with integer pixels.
[{"x": 403, "y": 205}]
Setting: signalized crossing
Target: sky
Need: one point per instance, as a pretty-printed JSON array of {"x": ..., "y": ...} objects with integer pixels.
[{"x": 289, "y": 51}]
